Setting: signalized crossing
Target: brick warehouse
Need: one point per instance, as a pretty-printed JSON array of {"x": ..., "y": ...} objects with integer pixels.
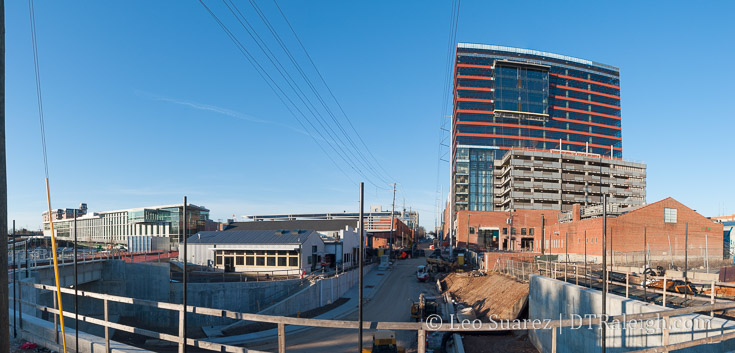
[{"x": 665, "y": 223}]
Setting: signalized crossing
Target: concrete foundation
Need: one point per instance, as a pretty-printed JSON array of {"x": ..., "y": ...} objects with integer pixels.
[{"x": 552, "y": 299}]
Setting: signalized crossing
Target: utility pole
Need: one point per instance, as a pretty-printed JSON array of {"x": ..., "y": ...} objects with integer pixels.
[
  {"x": 182, "y": 348},
  {"x": 393, "y": 210},
  {"x": 15, "y": 281},
  {"x": 360, "y": 261},
  {"x": 645, "y": 265},
  {"x": 686, "y": 252},
  {"x": 76, "y": 285},
  {"x": 543, "y": 236},
  {"x": 4, "y": 320},
  {"x": 604, "y": 272}
]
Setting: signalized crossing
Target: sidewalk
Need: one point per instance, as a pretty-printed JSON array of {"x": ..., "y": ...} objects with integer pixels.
[{"x": 373, "y": 280}]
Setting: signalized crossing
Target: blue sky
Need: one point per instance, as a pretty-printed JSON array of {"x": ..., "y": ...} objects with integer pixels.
[{"x": 148, "y": 101}]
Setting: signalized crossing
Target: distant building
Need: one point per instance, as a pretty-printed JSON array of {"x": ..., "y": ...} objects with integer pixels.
[
  {"x": 115, "y": 227},
  {"x": 554, "y": 180},
  {"x": 340, "y": 236},
  {"x": 284, "y": 252},
  {"x": 377, "y": 225},
  {"x": 669, "y": 227},
  {"x": 375, "y": 219}
]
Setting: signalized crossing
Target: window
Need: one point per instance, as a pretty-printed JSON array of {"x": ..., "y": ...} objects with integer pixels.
[
  {"x": 523, "y": 231},
  {"x": 282, "y": 261},
  {"x": 308, "y": 258},
  {"x": 313, "y": 248},
  {"x": 472, "y": 230},
  {"x": 219, "y": 260},
  {"x": 271, "y": 260},
  {"x": 250, "y": 261},
  {"x": 293, "y": 261},
  {"x": 669, "y": 215},
  {"x": 512, "y": 231},
  {"x": 260, "y": 261},
  {"x": 505, "y": 231},
  {"x": 530, "y": 231},
  {"x": 240, "y": 260}
]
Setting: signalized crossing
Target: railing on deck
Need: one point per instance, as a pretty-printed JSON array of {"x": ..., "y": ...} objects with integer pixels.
[{"x": 420, "y": 328}]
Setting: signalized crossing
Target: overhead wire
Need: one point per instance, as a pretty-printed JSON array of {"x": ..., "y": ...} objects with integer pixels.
[
  {"x": 326, "y": 128},
  {"x": 39, "y": 98},
  {"x": 446, "y": 92},
  {"x": 316, "y": 93},
  {"x": 273, "y": 59},
  {"x": 329, "y": 90},
  {"x": 280, "y": 94}
]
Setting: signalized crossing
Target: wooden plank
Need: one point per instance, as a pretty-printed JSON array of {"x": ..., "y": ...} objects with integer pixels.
[
  {"x": 107, "y": 329},
  {"x": 281, "y": 338},
  {"x": 421, "y": 348}
]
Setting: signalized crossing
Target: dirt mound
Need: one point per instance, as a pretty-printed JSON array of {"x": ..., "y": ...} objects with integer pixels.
[{"x": 492, "y": 294}]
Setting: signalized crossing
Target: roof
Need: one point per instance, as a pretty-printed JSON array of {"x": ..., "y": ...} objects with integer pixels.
[
  {"x": 297, "y": 236},
  {"x": 320, "y": 225},
  {"x": 534, "y": 52}
]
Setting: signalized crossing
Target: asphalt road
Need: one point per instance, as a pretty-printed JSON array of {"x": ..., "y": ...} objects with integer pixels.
[{"x": 391, "y": 303}]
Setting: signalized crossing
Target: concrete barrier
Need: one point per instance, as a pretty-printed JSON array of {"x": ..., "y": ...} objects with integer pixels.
[
  {"x": 550, "y": 299},
  {"x": 322, "y": 292},
  {"x": 42, "y": 333}
]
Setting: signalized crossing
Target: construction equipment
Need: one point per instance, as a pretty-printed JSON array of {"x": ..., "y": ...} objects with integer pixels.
[
  {"x": 675, "y": 286},
  {"x": 384, "y": 341},
  {"x": 421, "y": 309},
  {"x": 437, "y": 263},
  {"x": 422, "y": 273}
]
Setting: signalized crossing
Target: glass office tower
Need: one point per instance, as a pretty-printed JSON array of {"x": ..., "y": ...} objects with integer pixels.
[{"x": 526, "y": 99}]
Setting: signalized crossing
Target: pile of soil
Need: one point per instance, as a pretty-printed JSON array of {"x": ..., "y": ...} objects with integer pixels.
[{"x": 495, "y": 294}]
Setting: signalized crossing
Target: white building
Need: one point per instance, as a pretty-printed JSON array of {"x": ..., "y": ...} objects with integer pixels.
[{"x": 282, "y": 252}]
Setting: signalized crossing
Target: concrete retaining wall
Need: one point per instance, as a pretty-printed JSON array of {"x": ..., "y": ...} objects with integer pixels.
[
  {"x": 320, "y": 293},
  {"x": 549, "y": 298},
  {"x": 42, "y": 333}
]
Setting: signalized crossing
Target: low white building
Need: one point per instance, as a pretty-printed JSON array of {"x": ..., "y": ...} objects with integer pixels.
[{"x": 281, "y": 252}]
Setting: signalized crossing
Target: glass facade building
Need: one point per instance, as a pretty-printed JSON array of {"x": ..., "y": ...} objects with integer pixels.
[{"x": 510, "y": 98}]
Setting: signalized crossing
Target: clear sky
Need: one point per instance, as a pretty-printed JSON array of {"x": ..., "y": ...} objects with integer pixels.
[{"x": 148, "y": 101}]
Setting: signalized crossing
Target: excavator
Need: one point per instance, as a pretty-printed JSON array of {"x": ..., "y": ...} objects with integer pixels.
[
  {"x": 384, "y": 341},
  {"x": 421, "y": 309}
]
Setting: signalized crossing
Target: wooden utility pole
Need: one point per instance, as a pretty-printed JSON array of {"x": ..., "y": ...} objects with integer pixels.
[
  {"x": 4, "y": 319},
  {"x": 393, "y": 210},
  {"x": 360, "y": 262}
]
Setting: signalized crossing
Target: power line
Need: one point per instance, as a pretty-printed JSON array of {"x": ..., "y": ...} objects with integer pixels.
[
  {"x": 324, "y": 82},
  {"x": 337, "y": 145},
  {"x": 274, "y": 87},
  {"x": 287, "y": 76}
]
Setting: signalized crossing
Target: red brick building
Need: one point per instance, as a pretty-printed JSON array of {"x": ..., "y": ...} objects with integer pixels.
[
  {"x": 402, "y": 234},
  {"x": 668, "y": 225}
]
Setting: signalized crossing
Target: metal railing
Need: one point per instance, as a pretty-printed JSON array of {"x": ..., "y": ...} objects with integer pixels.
[{"x": 419, "y": 327}]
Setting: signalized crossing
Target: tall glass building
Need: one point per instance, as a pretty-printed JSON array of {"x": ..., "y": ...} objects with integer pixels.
[{"x": 510, "y": 98}]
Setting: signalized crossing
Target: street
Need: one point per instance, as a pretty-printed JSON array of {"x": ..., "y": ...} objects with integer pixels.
[{"x": 391, "y": 303}]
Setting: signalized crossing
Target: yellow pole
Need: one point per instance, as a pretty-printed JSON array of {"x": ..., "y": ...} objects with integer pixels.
[{"x": 56, "y": 265}]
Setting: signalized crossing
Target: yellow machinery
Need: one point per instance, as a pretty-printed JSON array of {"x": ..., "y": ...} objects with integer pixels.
[
  {"x": 421, "y": 309},
  {"x": 384, "y": 341}
]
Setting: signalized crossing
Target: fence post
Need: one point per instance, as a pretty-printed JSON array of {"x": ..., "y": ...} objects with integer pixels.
[
  {"x": 422, "y": 341},
  {"x": 565, "y": 272},
  {"x": 182, "y": 312},
  {"x": 107, "y": 328},
  {"x": 523, "y": 271},
  {"x": 665, "y": 333},
  {"x": 627, "y": 283},
  {"x": 664, "y": 300},
  {"x": 553, "y": 340},
  {"x": 712, "y": 298},
  {"x": 576, "y": 274},
  {"x": 281, "y": 337},
  {"x": 56, "y": 326}
]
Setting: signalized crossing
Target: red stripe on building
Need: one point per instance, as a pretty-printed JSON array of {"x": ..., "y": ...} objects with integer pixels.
[
  {"x": 584, "y": 80},
  {"x": 537, "y": 128},
  {"x": 587, "y": 112},
  {"x": 586, "y": 91},
  {"x": 587, "y": 102},
  {"x": 466, "y": 134}
]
